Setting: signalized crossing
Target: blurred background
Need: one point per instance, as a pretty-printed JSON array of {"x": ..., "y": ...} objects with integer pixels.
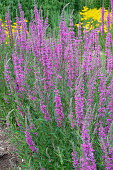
[{"x": 54, "y": 8}]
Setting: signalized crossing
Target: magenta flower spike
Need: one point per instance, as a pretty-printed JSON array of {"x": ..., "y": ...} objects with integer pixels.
[
  {"x": 59, "y": 109},
  {"x": 102, "y": 18},
  {"x": 108, "y": 21},
  {"x": 87, "y": 160},
  {"x": 112, "y": 9},
  {"x": 30, "y": 141},
  {"x": 74, "y": 158}
]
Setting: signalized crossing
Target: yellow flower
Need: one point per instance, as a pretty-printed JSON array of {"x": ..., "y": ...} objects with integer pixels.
[
  {"x": 13, "y": 26},
  {"x": 6, "y": 21},
  {"x": 77, "y": 25},
  {"x": 94, "y": 14},
  {"x": 24, "y": 20},
  {"x": 85, "y": 8},
  {"x": 82, "y": 19},
  {"x": 7, "y": 32},
  {"x": 81, "y": 13},
  {"x": 15, "y": 23},
  {"x": 97, "y": 25}
]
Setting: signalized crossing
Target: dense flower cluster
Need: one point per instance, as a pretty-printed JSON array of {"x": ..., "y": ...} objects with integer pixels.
[
  {"x": 87, "y": 159},
  {"x": 30, "y": 141},
  {"x": 43, "y": 80},
  {"x": 59, "y": 109}
]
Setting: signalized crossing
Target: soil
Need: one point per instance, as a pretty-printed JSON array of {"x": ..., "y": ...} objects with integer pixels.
[{"x": 8, "y": 159}]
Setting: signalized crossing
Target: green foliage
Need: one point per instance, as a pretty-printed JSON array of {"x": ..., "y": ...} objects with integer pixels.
[{"x": 98, "y": 4}]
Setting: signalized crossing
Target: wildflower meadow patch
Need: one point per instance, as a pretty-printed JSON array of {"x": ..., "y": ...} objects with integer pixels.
[{"x": 60, "y": 92}]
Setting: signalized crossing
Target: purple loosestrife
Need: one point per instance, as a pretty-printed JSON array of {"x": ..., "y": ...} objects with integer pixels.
[
  {"x": 85, "y": 55},
  {"x": 59, "y": 109},
  {"x": 72, "y": 70},
  {"x": 18, "y": 70},
  {"x": 20, "y": 111},
  {"x": 24, "y": 29},
  {"x": 92, "y": 40},
  {"x": 45, "y": 111},
  {"x": 79, "y": 31},
  {"x": 30, "y": 141},
  {"x": 42, "y": 106},
  {"x": 17, "y": 21},
  {"x": 63, "y": 31},
  {"x": 46, "y": 53},
  {"x": 109, "y": 59},
  {"x": 97, "y": 58},
  {"x": 103, "y": 97},
  {"x": 71, "y": 30},
  {"x": 48, "y": 68},
  {"x": 109, "y": 40},
  {"x": 21, "y": 12},
  {"x": 37, "y": 19},
  {"x": 110, "y": 104},
  {"x": 91, "y": 92},
  {"x": 102, "y": 19},
  {"x": 96, "y": 39},
  {"x": 19, "y": 125},
  {"x": 45, "y": 59},
  {"x": 63, "y": 40},
  {"x": 80, "y": 42},
  {"x": 16, "y": 86},
  {"x": 46, "y": 23},
  {"x": 105, "y": 145},
  {"x": 23, "y": 36},
  {"x": 56, "y": 53},
  {"x": 97, "y": 45},
  {"x": 90, "y": 56},
  {"x": 74, "y": 158},
  {"x": 2, "y": 33},
  {"x": 102, "y": 136},
  {"x": 87, "y": 160},
  {"x": 108, "y": 21},
  {"x": 19, "y": 30},
  {"x": 7, "y": 75},
  {"x": 32, "y": 37},
  {"x": 70, "y": 66},
  {"x": 70, "y": 116},
  {"x": 79, "y": 104},
  {"x": 53, "y": 43},
  {"x": 6, "y": 100},
  {"x": 112, "y": 9},
  {"x": 38, "y": 41}
]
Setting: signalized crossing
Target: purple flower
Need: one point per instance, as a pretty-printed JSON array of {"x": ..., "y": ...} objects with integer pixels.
[
  {"x": 79, "y": 102},
  {"x": 59, "y": 109},
  {"x": 87, "y": 160},
  {"x": 30, "y": 141},
  {"x": 75, "y": 159},
  {"x": 45, "y": 111},
  {"x": 102, "y": 18},
  {"x": 112, "y": 9}
]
